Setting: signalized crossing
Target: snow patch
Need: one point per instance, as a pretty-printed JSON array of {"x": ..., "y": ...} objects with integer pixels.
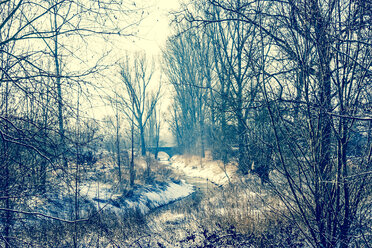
[
  {"x": 205, "y": 168},
  {"x": 151, "y": 197},
  {"x": 96, "y": 195}
]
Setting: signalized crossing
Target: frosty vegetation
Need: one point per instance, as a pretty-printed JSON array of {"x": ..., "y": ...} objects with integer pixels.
[{"x": 268, "y": 103}]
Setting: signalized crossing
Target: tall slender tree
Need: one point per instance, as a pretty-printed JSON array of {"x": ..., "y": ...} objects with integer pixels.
[
  {"x": 139, "y": 97},
  {"x": 188, "y": 66}
]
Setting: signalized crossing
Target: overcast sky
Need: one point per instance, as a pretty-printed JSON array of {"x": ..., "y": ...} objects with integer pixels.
[
  {"x": 153, "y": 33},
  {"x": 154, "y": 29}
]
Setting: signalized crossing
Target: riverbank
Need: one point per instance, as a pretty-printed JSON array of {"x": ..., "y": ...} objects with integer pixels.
[{"x": 189, "y": 202}]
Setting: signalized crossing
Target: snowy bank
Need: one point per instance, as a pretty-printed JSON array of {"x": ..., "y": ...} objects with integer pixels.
[
  {"x": 146, "y": 198},
  {"x": 194, "y": 166},
  {"x": 99, "y": 196}
]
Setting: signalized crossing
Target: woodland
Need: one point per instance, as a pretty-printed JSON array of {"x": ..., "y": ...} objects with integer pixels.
[{"x": 267, "y": 102}]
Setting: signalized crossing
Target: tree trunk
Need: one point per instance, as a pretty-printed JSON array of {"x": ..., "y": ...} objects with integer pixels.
[
  {"x": 241, "y": 133},
  {"x": 324, "y": 150},
  {"x": 243, "y": 167},
  {"x": 118, "y": 144},
  {"x": 201, "y": 126},
  {"x": 132, "y": 174},
  {"x": 157, "y": 139},
  {"x": 8, "y": 215},
  {"x": 143, "y": 144},
  {"x": 43, "y": 163},
  {"x": 345, "y": 227},
  {"x": 224, "y": 133},
  {"x": 59, "y": 92}
]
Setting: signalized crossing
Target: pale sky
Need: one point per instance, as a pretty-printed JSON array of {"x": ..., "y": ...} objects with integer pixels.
[
  {"x": 154, "y": 29},
  {"x": 153, "y": 33}
]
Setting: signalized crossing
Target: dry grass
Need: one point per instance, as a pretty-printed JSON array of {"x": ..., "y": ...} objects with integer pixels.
[
  {"x": 213, "y": 170},
  {"x": 240, "y": 213},
  {"x": 252, "y": 217}
]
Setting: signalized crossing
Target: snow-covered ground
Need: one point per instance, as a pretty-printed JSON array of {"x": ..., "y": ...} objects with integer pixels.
[
  {"x": 102, "y": 196},
  {"x": 205, "y": 168},
  {"x": 95, "y": 195},
  {"x": 146, "y": 198}
]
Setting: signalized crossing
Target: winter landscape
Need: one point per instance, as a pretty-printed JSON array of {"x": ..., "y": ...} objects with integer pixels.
[{"x": 206, "y": 123}]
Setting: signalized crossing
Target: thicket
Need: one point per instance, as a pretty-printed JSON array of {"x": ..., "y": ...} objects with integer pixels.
[{"x": 282, "y": 87}]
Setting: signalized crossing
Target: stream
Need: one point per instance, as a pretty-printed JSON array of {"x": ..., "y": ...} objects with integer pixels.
[{"x": 173, "y": 223}]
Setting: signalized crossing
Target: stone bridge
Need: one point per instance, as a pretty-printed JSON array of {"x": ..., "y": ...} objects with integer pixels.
[{"x": 170, "y": 150}]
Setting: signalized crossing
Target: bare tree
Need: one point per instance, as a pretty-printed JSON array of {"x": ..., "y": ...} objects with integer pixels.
[
  {"x": 153, "y": 129},
  {"x": 139, "y": 97},
  {"x": 34, "y": 37},
  {"x": 235, "y": 52},
  {"x": 232, "y": 84},
  {"x": 313, "y": 70},
  {"x": 188, "y": 66},
  {"x": 325, "y": 196}
]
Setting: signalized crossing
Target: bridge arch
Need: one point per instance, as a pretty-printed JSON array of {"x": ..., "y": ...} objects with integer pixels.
[{"x": 170, "y": 150}]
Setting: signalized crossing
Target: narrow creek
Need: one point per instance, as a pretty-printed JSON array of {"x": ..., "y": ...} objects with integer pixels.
[
  {"x": 175, "y": 222},
  {"x": 201, "y": 184},
  {"x": 202, "y": 187}
]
